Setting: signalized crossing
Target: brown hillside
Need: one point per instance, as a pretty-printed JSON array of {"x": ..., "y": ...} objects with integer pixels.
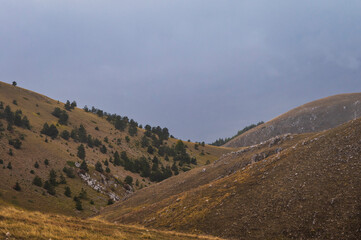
[
  {"x": 21, "y": 224},
  {"x": 303, "y": 187},
  {"x": 37, "y": 147},
  {"x": 315, "y": 116}
]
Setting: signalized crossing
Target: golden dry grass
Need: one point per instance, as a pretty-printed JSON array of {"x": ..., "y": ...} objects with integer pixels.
[
  {"x": 20, "y": 224},
  {"x": 38, "y": 109}
]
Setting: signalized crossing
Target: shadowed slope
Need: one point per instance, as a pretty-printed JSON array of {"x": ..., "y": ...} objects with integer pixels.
[{"x": 311, "y": 189}]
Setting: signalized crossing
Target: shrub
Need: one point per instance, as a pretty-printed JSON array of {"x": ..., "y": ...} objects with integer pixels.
[
  {"x": 50, "y": 188},
  {"x": 67, "y": 191},
  {"x": 84, "y": 166},
  {"x": 16, "y": 143},
  {"x": 78, "y": 205},
  {"x": 17, "y": 187},
  {"x": 128, "y": 180},
  {"x": 65, "y": 135},
  {"x": 99, "y": 167},
  {"x": 37, "y": 181},
  {"x": 50, "y": 131},
  {"x": 81, "y": 152},
  {"x": 69, "y": 172}
]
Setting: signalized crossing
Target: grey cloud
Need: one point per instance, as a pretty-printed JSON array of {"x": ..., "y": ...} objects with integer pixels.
[{"x": 203, "y": 68}]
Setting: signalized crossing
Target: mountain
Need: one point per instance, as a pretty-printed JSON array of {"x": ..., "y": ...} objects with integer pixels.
[
  {"x": 303, "y": 186},
  {"x": 43, "y": 143},
  {"x": 315, "y": 116}
]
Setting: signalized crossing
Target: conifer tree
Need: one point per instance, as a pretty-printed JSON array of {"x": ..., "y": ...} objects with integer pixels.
[
  {"x": 84, "y": 166},
  {"x": 67, "y": 191},
  {"x": 81, "y": 152},
  {"x": 37, "y": 181},
  {"x": 17, "y": 187}
]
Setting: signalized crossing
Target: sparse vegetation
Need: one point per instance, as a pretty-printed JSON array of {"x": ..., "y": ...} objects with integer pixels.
[
  {"x": 50, "y": 131},
  {"x": 222, "y": 141}
]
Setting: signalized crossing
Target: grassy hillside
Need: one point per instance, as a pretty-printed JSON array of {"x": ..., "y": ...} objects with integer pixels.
[
  {"x": 39, "y": 154},
  {"x": 303, "y": 186},
  {"x": 21, "y": 224},
  {"x": 315, "y": 116}
]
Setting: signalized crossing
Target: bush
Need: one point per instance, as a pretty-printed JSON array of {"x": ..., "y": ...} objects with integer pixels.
[
  {"x": 84, "y": 166},
  {"x": 128, "y": 180},
  {"x": 69, "y": 172},
  {"x": 15, "y": 142},
  {"x": 50, "y": 131},
  {"x": 17, "y": 187},
  {"x": 65, "y": 135},
  {"x": 52, "y": 177},
  {"x": 99, "y": 167},
  {"x": 67, "y": 191},
  {"x": 83, "y": 194},
  {"x": 78, "y": 205},
  {"x": 37, "y": 181},
  {"x": 50, "y": 188},
  {"x": 81, "y": 152}
]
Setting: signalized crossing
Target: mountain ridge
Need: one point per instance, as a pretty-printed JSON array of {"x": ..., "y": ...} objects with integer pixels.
[{"x": 313, "y": 116}]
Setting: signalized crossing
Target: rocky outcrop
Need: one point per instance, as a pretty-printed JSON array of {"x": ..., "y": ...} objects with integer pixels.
[{"x": 97, "y": 186}]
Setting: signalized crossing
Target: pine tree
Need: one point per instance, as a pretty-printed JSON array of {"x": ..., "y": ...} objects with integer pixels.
[
  {"x": 65, "y": 135},
  {"x": 67, "y": 191},
  {"x": 82, "y": 135},
  {"x": 84, "y": 166},
  {"x": 128, "y": 180},
  {"x": 67, "y": 105},
  {"x": 37, "y": 181},
  {"x": 17, "y": 187},
  {"x": 78, "y": 205},
  {"x": 103, "y": 149},
  {"x": 62, "y": 179},
  {"x": 52, "y": 178},
  {"x": 49, "y": 187},
  {"x": 81, "y": 152},
  {"x": 99, "y": 167}
]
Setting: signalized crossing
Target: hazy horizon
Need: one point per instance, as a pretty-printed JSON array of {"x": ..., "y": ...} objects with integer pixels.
[{"x": 203, "y": 69}]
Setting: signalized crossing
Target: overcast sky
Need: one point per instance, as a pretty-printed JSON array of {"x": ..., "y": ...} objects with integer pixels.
[{"x": 204, "y": 69}]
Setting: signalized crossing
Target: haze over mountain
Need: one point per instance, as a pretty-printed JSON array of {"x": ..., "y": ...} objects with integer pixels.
[
  {"x": 203, "y": 68},
  {"x": 315, "y": 116}
]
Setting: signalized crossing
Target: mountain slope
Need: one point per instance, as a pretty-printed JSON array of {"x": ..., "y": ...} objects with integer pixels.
[
  {"x": 309, "y": 187},
  {"x": 39, "y": 154},
  {"x": 21, "y": 224},
  {"x": 315, "y": 116}
]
